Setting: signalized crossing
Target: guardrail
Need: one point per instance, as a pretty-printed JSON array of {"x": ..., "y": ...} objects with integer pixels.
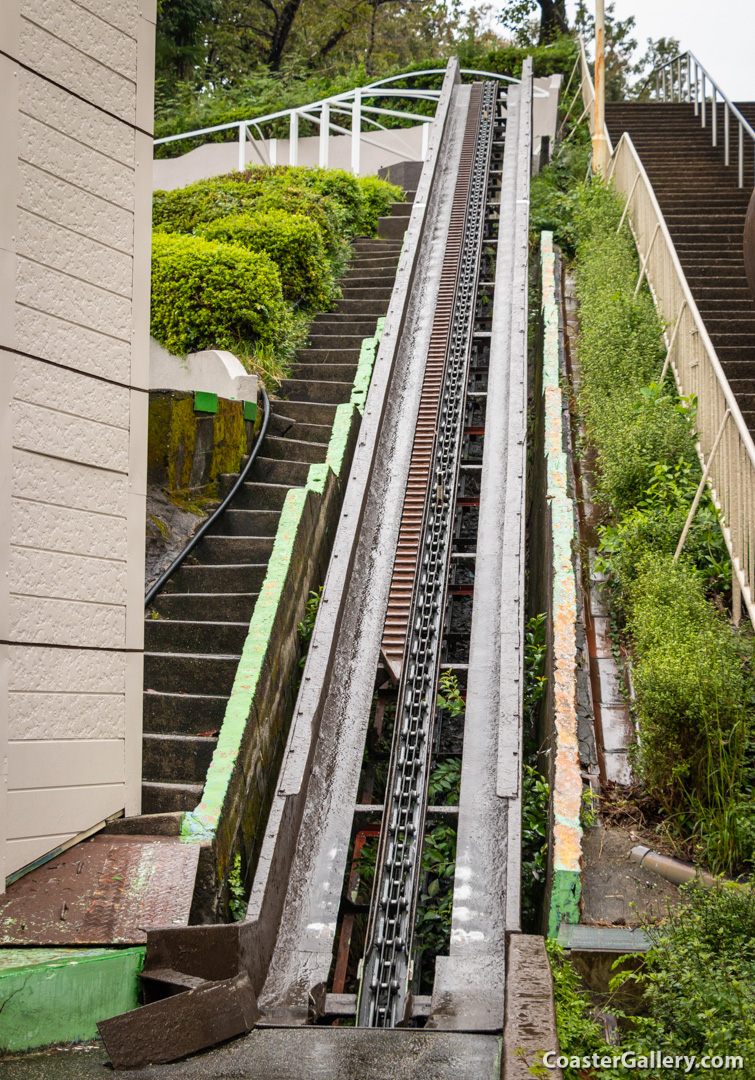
[
  {"x": 351, "y": 104},
  {"x": 684, "y": 79},
  {"x": 725, "y": 447}
]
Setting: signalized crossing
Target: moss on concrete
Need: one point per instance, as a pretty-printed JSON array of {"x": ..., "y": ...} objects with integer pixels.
[{"x": 181, "y": 459}]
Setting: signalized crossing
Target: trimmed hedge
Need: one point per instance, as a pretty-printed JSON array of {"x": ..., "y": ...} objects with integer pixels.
[
  {"x": 295, "y": 245},
  {"x": 208, "y": 295}
]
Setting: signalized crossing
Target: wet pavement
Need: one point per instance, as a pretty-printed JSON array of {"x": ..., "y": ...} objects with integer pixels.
[{"x": 325, "y": 1053}]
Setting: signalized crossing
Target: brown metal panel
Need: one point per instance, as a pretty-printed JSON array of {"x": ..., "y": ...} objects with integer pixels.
[{"x": 104, "y": 891}]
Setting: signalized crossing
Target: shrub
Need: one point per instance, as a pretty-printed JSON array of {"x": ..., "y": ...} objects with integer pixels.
[
  {"x": 707, "y": 947},
  {"x": 378, "y": 196},
  {"x": 692, "y": 688},
  {"x": 295, "y": 245},
  {"x": 208, "y": 295}
]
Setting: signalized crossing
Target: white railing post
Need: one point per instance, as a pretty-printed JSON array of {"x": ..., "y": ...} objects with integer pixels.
[
  {"x": 702, "y": 98},
  {"x": 697, "y": 90},
  {"x": 324, "y": 134},
  {"x": 273, "y": 151},
  {"x": 425, "y": 140},
  {"x": 356, "y": 131},
  {"x": 726, "y": 133},
  {"x": 741, "y": 156},
  {"x": 714, "y": 120},
  {"x": 293, "y": 137},
  {"x": 242, "y": 147}
]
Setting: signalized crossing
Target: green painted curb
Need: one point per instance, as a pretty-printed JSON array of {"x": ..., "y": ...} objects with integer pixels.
[
  {"x": 202, "y": 823},
  {"x": 250, "y": 410},
  {"x": 58, "y": 995}
]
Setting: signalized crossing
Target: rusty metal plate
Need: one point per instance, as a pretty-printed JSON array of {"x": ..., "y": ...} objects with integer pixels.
[{"x": 104, "y": 891}]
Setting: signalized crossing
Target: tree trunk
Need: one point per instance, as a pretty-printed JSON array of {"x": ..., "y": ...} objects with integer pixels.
[
  {"x": 283, "y": 24},
  {"x": 552, "y": 20}
]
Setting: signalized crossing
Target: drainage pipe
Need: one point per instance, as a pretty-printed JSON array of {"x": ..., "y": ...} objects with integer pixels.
[{"x": 673, "y": 870}]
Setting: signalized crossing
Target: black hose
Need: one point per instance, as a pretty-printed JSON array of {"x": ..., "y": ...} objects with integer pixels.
[{"x": 162, "y": 581}]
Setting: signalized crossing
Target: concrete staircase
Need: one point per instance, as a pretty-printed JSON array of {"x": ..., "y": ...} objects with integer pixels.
[
  {"x": 196, "y": 629},
  {"x": 705, "y": 213}
]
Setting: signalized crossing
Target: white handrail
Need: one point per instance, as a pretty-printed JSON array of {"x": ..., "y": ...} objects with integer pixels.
[
  {"x": 351, "y": 101},
  {"x": 697, "y": 369},
  {"x": 683, "y": 79}
]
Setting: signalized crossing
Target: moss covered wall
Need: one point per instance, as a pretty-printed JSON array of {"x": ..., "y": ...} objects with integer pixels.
[{"x": 187, "y": 449}]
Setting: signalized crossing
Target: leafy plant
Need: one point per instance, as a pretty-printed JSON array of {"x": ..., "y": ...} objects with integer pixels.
[
  {"x": 236, "y": 891},
  {"x": 445, "y": 782},
  {"x": 307, "y": 625},
  {"x": 535, "y": 815},
  {"x": 449, "y": 696},
  {"x": 433, "y": 922}
]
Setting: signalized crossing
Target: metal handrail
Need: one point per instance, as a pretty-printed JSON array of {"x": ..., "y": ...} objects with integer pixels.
[
  {"x": 168, "y": 574},
  {"x": 726, "y": 450},
  {"x": 683, "y": 79},
  {"x": 318, "y": 112}
]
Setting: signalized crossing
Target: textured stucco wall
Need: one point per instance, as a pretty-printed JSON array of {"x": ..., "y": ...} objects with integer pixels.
[{"x": 76, "y": 82}]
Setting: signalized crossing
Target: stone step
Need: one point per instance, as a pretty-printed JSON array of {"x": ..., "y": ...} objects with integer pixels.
[
  {"x": 374, "y": 309},
  {"x": 327, "y": 356},
  {"x": 258, "y": 496},
  {"x": 190, "y": 673},
  {"x": 180, "y": 712},
  {"x": 167, "y": 635},
  {"x": 317, "y": 433},
  {"x": 215, "y": 607},
  {"x": 176, "y": 759},
  {"x": 336, "y": 341}
]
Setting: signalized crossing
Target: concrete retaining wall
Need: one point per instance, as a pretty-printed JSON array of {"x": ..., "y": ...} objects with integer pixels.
[{"x": 553, "y": 538}]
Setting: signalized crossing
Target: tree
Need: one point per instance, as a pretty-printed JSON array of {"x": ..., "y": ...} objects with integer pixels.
[
  {"x": 620, "y": 47},
  {"x": 518, "y": 16},
  {"x": 179, "y": 43}
]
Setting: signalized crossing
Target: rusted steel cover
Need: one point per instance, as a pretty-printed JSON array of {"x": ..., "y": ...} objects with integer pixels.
[
  {"x": 181, "y": 1025},
  {"x": 749, "y": 244},
  {"x": 104, "y": 891}
]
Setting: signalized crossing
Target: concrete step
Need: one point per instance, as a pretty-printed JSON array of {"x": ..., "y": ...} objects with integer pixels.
[
  {"x": 335, "y": 393},
  {"x": 310, "y": 413},
  {"x": 227, "y": 550},
  {"x": 373, "y": 309},
  {"x": 337, "y": 341},
  {"x": 293, "y": 449},
  {"x": 258, "y": 496},
  {"x": 318, "y": 433},
  {"x": 374, "y": 263},
  {"x": 327, "y": 356},
  {"x": 176, "y": 759},
  {"x": 243, "y": 522},
  {"x": 381, "y": 293},
  {"x": 392, "y": 227},
  {"x": 168, "y": 798},
  {"x": 216, "y": 607},
  {"x": 180, "y": 712},
  {"x": 166, "y": 635},
  {"x": 194, "y": 578},
  {"x": 276, "y": 471},
  {"x": 340, "y": 322},
  {"x": 401, "y": 209},
  {"x": 190, "y": 673},
  {"x": 321, "y": 372}
]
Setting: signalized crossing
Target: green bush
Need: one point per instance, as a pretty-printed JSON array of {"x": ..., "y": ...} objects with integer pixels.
[
  {"x": 378, "y": 196},
  {"x": 295, "y": 245},
  {"x": 208, "y": 295},
  {"x": 693, "y": 692}
]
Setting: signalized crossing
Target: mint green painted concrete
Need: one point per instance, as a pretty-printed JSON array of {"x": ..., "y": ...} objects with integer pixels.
[
  {"x": 566, "y": 795},
  {"x": 365, "y": 364},
  {"x": 53, "y": 996}
]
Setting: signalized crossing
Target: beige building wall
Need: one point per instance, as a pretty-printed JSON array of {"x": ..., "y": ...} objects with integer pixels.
[{"x": 76, "y": 86}]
